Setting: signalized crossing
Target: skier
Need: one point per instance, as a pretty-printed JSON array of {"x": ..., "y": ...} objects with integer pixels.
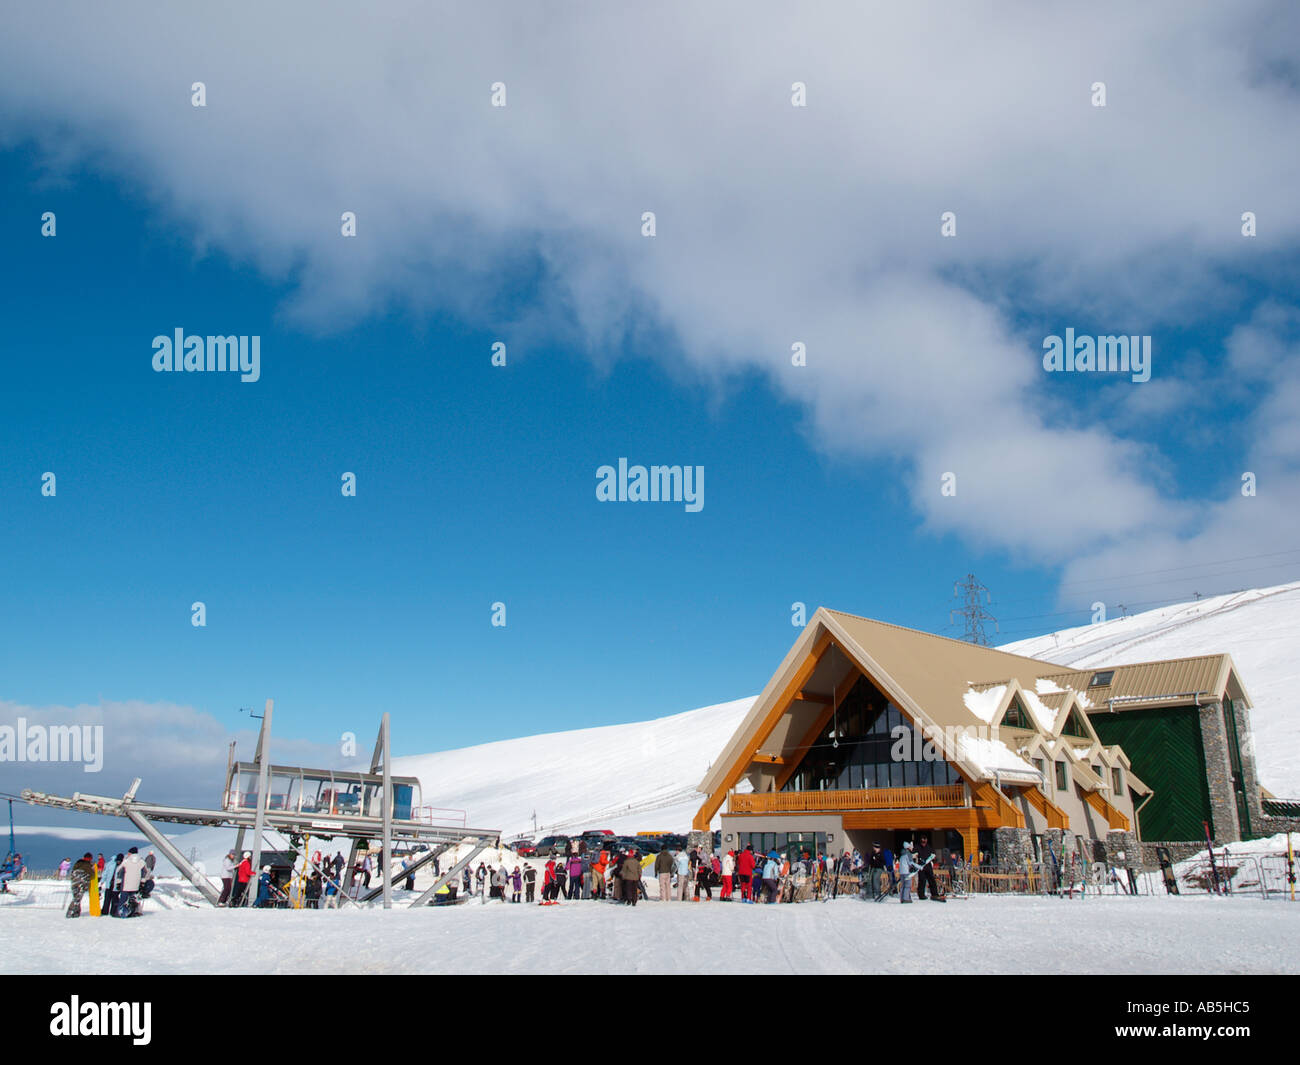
[
  {"x": 227, "y": 877},
  {"x": 132, "y": 873},
  {"x": 480, "y": 878},
  {"x": 530, "y": 883},
  {"x": 925, "y": 854},
  {"x": 263, "y": 887},
  {"x": 771, "y": 878},
  {"x": 728, "y": 874},
  {"x": 80, "y": 880},
  {"x": 664, "y": 865},
  {"x": 906, "y": 867},
  {"x": 745, "y": 870},
  {"x": 499, "y": 883},
  {"x": 516, "y": 884},
  {"x": 876, "y": 866},
  {"x": 630, "y": 874},
  {"x": 242, "y": 876},
  {"x": 575, "y": 876},
  {"x": 112, "y": 888},
  {"x": 682, "y": 867}
]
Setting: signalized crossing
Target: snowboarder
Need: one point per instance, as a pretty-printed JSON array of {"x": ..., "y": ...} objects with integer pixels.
[{"x": 80, "y": 880}]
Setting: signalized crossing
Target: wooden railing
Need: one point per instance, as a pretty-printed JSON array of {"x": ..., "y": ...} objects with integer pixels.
[
  {"x": 855, "y": 799},
  {"x": 987, "y": 795},
  {"x": 1056, "y": 817},
  {"x": 1114, "y": 818}
]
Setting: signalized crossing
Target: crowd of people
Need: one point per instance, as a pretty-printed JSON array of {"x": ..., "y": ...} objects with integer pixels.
[
  {"x": 122, "y": 887},
  {"x": 690, "y": 874},
  {"x": 684, "y": 874}
]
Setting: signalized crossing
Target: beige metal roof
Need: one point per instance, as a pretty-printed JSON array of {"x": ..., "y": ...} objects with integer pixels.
[{"x": 1151, "y": 681}]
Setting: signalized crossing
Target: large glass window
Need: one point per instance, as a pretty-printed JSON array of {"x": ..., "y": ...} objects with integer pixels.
[{"x": 869, "y": 744}]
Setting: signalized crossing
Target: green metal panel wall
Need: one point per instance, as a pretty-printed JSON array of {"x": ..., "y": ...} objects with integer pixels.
[{"x": 1164, "y": 746}]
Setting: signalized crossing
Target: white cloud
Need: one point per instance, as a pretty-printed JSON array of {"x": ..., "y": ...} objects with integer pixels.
[{"x": 775, "y": 224}]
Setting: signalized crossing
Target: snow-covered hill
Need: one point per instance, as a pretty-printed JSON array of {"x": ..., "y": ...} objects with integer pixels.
[
  {"x": 1259, "y": 628},
  {"x": 643, "y": 775}
]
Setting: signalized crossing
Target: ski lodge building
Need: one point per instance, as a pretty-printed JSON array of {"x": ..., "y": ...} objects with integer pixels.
[{"x": 869, "y": 731}]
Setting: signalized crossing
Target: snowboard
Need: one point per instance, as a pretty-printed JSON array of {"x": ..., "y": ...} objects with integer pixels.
[
  {"x": 94, "y": 893},
  {"x": 1167, "y": 870}
]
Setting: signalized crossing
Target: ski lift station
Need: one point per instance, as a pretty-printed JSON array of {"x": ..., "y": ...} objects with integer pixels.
[{"x": 301, "y": 804}]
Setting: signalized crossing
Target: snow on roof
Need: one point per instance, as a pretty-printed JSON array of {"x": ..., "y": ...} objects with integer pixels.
[
  {"x": 1043, "y": 715},
  {"x": 1044, "y": 686},
  {"x": 994, "y": 756},
  {"x": 983, "y": 704}
]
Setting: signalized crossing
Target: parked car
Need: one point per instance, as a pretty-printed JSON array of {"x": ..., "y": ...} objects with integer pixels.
[
  {"x": 548, "y": 846},
  {"x": 523, "y": 847}
]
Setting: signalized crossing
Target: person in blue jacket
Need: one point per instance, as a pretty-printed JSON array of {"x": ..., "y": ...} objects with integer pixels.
[
  {"x": 263, "y": 887},
  {"x": 889, "y": 868}
]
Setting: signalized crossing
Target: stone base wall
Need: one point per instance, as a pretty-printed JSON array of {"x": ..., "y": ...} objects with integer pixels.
[
  {"x": 1014, "y": 847},
  {"x": 1123, "y": 849},
  {"x": 1271, "y": 826}
]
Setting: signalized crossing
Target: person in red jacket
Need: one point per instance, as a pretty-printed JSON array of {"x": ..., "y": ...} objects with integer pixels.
[
  {"x": 745, "y": 871},
  {"x": 242, "y": 876},
  {"x": 548, "y": 881}
]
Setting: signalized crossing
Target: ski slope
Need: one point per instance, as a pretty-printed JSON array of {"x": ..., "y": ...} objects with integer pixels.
[{"x": 1259, "y": 628}]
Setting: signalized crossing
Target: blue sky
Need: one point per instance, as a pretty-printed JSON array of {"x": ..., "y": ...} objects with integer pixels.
[{"x": 476, "y": 484}]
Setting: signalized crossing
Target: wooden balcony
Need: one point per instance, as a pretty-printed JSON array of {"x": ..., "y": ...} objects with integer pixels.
[{"x": 798, "y": 802}]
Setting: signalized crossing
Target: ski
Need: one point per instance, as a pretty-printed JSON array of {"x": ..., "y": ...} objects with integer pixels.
[{"x": 1214, "y": 868}]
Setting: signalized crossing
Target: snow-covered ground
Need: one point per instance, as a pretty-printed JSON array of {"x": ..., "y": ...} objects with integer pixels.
[{"x": 1148, "y": 934}]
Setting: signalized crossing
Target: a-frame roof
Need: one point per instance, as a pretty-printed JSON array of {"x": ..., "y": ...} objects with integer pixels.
[{"x": 925, "y": 675}]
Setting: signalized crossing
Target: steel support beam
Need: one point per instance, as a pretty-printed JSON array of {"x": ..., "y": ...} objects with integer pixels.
[
  {"x": 454, "y": 871},
  {"x": 263, "y": 781},
  {"x": 410, "y": 870},
  {"x": 173, "y": 855}
]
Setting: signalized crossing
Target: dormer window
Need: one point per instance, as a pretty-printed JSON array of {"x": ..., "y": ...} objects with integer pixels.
[
  {"x": 1015, "y": 717},
  {"x": 1074, "y": 725}
]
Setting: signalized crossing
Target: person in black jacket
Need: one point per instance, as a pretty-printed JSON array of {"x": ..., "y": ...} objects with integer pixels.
[{"x": 926, "y": 856}]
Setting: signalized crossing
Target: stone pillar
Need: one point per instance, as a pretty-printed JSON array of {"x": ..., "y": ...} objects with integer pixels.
[
  {"x": 1014, "y": 845},
  {"x": 1218, "y": 775},
  {"x": 1249, "y": 772},
  {"x": 703, "y": 840}
]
